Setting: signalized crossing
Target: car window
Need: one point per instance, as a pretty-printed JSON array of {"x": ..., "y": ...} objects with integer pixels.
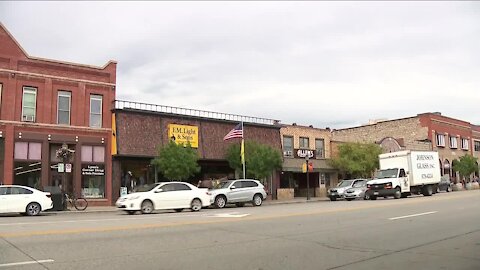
[
  {"x": 3, "y": 190},
  {"x": 238, "y": 184},
  {"x": 360, "y": 183},
  {"x": 250, "y": 184},
  {"x": 19, "y": 190},
  {"x": 168, "y": 187},
  {"x": 179, "y": 186}
]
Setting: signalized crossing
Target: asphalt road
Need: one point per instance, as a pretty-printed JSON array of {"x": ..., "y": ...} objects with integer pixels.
[{"x": 438, "y": 232}]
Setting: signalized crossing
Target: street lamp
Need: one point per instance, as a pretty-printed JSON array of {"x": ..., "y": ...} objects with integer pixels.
[{"x": 308, "y": 181}]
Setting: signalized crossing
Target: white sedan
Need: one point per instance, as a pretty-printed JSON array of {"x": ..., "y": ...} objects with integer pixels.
[
  {"x": 20, "y": 199},
  {"x": 164, "y": 195}
]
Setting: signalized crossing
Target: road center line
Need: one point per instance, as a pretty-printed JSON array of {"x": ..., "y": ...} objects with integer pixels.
[
  {"x": 26, "y": 263},
  {"x": 414, "y": 215}
]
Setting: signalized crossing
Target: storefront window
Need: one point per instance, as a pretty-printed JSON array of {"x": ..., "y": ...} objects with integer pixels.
[
  {"x": 93, "y": 181},
  {"x": 93, "y": 171},
  {"x": 27, "y": 168}
]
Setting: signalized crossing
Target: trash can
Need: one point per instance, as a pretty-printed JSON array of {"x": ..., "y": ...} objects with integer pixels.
[{"x": 57, "y": 197}]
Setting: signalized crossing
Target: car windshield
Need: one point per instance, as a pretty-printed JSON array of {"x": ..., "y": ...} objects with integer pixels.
[
  {"x": 146, "y": 188},
  {"x": 390, "y": 173},
  {"x": 359, "y": 184},
  {"x": 345, "y": 183},
  {"x": 223, "y": 184}
]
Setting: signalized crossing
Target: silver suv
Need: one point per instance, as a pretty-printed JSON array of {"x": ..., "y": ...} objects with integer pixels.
[{"x": 239, "y": 192}]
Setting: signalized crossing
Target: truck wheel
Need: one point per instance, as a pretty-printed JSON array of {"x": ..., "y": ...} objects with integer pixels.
[
  {"x": 397, "y": 194},
  {"x": 427, "y": 190}
]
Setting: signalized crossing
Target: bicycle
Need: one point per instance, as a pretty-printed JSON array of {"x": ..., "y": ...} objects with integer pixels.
[{"x": 79, "y": 203}]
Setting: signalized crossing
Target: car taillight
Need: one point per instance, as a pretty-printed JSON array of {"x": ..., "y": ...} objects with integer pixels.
[
  {"x": 369, "y": 186},
  {"x": 48, "y": 195}
]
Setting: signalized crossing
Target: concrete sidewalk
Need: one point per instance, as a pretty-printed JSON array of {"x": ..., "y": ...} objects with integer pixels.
[{"x": 98, "y": 209}]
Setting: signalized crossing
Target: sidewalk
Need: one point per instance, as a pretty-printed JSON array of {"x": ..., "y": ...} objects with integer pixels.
[{"x": 100, "y": 209}]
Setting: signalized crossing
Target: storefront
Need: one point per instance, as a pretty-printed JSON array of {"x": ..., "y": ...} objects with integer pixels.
[{"x": 142, "y": 128}]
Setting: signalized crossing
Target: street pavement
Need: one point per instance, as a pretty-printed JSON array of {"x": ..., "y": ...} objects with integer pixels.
[{"x": 438, "y": 232}]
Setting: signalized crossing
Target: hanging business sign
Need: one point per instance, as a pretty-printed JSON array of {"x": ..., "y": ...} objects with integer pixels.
[
  {"x": 304, "y": 153},
  {"x": 183, "y": 134}
]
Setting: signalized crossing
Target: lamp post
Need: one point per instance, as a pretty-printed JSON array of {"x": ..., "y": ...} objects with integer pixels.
[{"x": 308, "y": 181}]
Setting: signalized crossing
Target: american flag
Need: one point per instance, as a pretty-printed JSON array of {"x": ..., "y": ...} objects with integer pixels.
[{"x": 236, "y": 132}]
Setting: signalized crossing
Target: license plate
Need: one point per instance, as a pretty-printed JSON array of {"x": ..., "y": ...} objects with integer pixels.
[{"x": 375, "y": 193}]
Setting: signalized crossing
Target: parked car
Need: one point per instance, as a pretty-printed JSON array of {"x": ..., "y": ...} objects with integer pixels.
[
  {"x": 444, "y": 185},
  {"x": 357, "y": 191},
  {"x": 338, "y": 192},
  {"x": 239, "y": 191},
  {"x": 25, "y": 200},
  {"x": 164, "y": 195}
]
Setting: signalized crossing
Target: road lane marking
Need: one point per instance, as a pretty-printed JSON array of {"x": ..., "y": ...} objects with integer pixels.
[
  {"x": 26, "y": 263},
  {"x": 230, "y": 215},
  {"x": 414, "y": 215}
]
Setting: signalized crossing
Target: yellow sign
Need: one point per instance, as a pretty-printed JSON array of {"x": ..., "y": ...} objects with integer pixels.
[
  {"x": 182, "y": 134},
  {"x": 114, "y": 136}
]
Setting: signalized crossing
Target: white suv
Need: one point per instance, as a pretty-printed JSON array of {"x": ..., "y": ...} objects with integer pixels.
[{"x": 239, "y": 192}]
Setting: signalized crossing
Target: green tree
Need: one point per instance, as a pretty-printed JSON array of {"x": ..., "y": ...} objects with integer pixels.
[
  {"x": 465, "y": 166},
  {"x": 260, "y": 159},
  {"x": 357, "y": 159},
  {"x": 177, "y": 162}
]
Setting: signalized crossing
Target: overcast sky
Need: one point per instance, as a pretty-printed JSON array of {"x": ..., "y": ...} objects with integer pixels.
[{"x": 328, "y": 64}]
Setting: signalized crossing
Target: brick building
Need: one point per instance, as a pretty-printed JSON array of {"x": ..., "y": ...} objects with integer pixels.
[
  {"x": 142, "y": 128},
  {"x": 452, "y": 138},
  {"x": 299, "y": 142},
  {"x": 45, "y": 104}
]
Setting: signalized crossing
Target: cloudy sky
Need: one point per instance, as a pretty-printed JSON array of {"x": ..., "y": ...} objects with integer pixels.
[{"x": 329, "y": 64}]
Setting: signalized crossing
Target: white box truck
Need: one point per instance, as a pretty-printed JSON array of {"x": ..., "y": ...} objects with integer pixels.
[{"x": 404, "y": 173}]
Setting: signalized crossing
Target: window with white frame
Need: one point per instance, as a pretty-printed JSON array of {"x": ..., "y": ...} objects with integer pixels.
[
  {"x": 453, "y": 142},
  {"x": 96, "y": 111},
  {"x": 29, "y": 104},
  {"x": 287, "y": 146},
  {"x": 63, "y": 105},
  {"x": 440, "y": 140},
  {"x": 304, "y": 143},
  {"x": 476, "y": 146},
  {"x": 464, "y": 144},
  {"x": 320, "y": 148}
]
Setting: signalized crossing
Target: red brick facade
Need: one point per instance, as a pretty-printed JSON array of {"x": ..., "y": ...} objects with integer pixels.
[{"x": 47, "y": 77}]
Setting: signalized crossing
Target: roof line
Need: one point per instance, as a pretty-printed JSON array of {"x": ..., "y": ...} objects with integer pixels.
[{"x": 52, "y": 60}]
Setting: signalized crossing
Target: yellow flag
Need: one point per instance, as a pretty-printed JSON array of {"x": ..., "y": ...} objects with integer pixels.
[
  {"x": 242, "y": 152},
  {"x": 114, "y": 136}
]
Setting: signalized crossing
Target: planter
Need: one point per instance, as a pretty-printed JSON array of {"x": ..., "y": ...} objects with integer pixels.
[
  {"x": 475, "y": 185},
  {"x": 457, "y": 187},
  {"x": 285, "y": 194},
  {"x": 468, "y": 186}
]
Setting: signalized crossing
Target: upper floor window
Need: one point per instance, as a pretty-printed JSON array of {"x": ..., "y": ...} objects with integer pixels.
[
  {"x": 64, "y": 103},
  {"x": 95, "y": 111},
  {"x": 440, "y": 140},
  {"x": 453, "y": 142},
  {"x": 287, "y": 146},
  {"x": 29, "y": 104},
  {"x": 476, "y": 146},
  {"x": 320, "y": 148},
  {"x": 464, "y": 144},
  {"x": 304, "y": 142}
]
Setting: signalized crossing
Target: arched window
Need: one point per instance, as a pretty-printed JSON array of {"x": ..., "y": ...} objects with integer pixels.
[{"x": 446, "y": 167}]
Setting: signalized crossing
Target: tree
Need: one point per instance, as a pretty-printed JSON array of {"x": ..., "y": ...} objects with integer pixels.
[
  {"x": 465, "y": 166},
  {"x": 357, "y": 159},
  {"x": 177, "y": 162},
  {"x": 260, "y": 159}
]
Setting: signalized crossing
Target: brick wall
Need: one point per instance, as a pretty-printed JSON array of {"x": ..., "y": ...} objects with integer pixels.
[
  {"x": 140, "y": 133},
  {"x": 408, "y": 131},
  {"x": 309, "y": 132}
]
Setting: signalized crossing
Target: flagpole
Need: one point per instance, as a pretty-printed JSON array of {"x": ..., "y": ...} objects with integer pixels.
[{"x": 243, "y": 147}]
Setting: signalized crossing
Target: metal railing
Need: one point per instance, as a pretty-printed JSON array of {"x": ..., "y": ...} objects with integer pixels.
[{"x": 132, "y": 105}]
